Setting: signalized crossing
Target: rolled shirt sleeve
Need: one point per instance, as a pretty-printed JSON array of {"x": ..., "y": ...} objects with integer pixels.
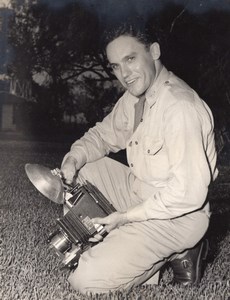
[{"x": 107, "y": 136}]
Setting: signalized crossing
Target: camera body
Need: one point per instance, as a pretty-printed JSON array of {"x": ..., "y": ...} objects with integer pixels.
[{"x": 70, "y": 236}]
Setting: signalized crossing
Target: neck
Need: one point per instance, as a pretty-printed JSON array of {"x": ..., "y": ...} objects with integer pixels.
[{"x": 158, "y": 67}]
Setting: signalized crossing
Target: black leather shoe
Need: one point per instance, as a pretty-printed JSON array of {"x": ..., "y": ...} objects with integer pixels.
[{"x": 188, "y": 269}]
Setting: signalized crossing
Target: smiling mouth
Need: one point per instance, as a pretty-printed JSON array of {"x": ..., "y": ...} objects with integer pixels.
[{"x": 130, "y": 82}]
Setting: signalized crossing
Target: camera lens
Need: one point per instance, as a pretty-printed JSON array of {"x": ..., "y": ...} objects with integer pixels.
[{"x": 60, "y": 243}]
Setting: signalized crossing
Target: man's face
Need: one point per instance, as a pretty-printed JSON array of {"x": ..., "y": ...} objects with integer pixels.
[{"x": 132, "y": 64}]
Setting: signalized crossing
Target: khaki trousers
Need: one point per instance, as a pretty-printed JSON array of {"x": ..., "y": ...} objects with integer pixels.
[{"x": 130, "y": 255}]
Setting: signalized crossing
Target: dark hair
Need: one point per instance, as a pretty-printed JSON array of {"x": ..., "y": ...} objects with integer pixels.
[{"x": 136, "y": 29}]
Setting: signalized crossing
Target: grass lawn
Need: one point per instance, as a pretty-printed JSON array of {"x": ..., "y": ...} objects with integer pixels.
[{"x": 29, "y": 270}]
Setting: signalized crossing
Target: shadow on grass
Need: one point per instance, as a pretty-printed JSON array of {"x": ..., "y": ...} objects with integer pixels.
[{"x": 218, "y": 229}]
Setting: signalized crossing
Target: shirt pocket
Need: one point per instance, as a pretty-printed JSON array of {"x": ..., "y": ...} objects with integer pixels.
[{"x": 152, "y": 146}]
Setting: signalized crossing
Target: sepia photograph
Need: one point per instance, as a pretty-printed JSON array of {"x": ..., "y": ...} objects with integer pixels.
[{"x": 114, "y": 149}]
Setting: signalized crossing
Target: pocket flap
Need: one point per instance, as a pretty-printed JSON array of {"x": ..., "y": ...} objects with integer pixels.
[{"x": 152, "y": 146}]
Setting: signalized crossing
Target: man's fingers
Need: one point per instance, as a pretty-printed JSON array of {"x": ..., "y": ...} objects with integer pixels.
[
  {"x": 68, "y": 169},
  {"x": 101, "y": 221},
  {"x": 68, "y": 173},
  {"x": 97, "y": 238},
  {"x": 69, "y": 180}
]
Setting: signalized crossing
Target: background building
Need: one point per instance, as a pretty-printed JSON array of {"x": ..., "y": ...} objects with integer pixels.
[{"x": 9, "y": 101}]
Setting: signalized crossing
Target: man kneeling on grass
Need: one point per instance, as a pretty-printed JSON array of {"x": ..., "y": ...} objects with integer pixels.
[{"x": 160, "y": 197}]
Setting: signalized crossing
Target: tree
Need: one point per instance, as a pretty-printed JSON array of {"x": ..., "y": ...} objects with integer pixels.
[{"x": 55, "y": 50}]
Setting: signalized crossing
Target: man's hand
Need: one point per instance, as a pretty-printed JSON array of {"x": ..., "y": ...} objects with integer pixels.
[
  {"x": 69, "y": 169},
  {"x": 114, "y": 220}
]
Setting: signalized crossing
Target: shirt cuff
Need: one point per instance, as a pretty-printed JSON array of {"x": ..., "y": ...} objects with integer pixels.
[
  {"x": 136, "y": 213},
  {"x": 80, "y": 159}
]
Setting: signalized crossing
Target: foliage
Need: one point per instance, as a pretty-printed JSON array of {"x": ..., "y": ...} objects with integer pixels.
[{"x": 54, "y": 50}]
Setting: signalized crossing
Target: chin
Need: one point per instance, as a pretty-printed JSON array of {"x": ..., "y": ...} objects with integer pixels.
[{"x": 135, "y": 92}]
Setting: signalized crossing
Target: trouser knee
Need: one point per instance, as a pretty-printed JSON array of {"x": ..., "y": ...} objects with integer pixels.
[
  {"x": 90, "y": 171},
  {"x": 79, "y": 283}
]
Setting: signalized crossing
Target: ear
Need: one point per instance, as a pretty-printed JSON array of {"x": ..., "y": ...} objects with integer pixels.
[{"x": 155, "y": 51}]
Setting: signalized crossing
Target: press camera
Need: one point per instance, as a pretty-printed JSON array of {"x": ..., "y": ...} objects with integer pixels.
[{"x": 71, "y": 233}]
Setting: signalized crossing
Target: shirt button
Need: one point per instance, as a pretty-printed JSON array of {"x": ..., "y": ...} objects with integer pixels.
[
  {"x": 141, "y": 120},
  {"x": 130, "y": 144},
  {"x": 131, "y": 165},
  {"x": 167, "y": 82},
  {"x": 148, "y": 151},
  {"x": 136, "y": 142}
]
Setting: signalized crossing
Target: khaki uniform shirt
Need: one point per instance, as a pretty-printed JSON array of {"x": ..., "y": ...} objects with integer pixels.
[{"x": 171, "y": 154}]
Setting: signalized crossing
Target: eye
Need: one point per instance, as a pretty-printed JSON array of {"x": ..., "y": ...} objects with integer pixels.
[
  {"x": 114, "y": 67},
  {"x": 130, "y": 58}
]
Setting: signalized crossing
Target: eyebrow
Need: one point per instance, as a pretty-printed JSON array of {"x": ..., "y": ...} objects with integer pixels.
[
  {"x": 124, "y": 58},
  {"x": 131, "y": 54}
]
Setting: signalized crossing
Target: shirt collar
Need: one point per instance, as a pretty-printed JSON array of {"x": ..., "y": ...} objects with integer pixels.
[{"x": 161, "y": 78}]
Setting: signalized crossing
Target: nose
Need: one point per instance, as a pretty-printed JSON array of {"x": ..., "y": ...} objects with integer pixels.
[{"x": 125, "y": 71}]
